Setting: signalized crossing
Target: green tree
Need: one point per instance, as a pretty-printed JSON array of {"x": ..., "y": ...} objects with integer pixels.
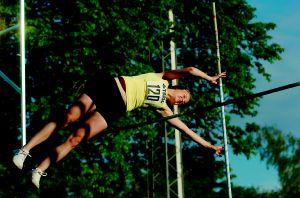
[
  {"x": 282, "y": 151},
  {"x": 243, "y": 192},
  {"x": 69, "y": 41}
]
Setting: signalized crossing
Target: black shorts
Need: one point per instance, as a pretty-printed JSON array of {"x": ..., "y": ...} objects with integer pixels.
[{"x": 106, "y": 95}]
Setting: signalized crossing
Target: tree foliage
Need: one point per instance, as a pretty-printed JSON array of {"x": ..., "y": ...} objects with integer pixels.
[
  {"x": 70, "y": 41},
  {"x": 282, "y": 151}
]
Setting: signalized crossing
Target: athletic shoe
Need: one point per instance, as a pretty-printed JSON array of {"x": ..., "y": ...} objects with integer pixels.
[
  {"x": 20, "y": 157},
  {"x": 36, "y": 176}
]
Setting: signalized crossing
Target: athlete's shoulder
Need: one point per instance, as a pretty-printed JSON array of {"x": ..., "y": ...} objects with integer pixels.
[{"x": 151, "y": 76}]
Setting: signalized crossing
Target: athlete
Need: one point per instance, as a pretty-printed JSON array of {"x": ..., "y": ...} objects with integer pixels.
[{"x": 105, "y": 100}]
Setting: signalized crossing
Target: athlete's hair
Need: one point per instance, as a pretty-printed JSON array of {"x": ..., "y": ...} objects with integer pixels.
[{"x": 179, "y": 87}]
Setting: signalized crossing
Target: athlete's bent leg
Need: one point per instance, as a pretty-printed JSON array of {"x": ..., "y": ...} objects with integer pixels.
[
  {"x": 94, "y": 125},
  {"x": 79, "y": 108}
]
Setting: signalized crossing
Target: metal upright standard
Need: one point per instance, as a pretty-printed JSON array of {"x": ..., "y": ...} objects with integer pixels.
[
  {"x": 23, "y": 83},
  {"x": 158, "y": 148},
  {"x": 178, "y": 155},
  {"x": 222, "y": 107},
  {"x": 22, "y": 63}
]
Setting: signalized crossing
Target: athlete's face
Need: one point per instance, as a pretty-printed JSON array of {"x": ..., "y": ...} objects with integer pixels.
[{"x": 181, "y": 97}]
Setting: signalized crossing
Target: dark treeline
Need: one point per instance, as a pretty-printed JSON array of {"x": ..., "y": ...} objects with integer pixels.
[{"x": 70, "y": 41}]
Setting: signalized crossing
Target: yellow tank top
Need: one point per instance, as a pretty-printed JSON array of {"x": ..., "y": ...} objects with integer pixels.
[{"x": 145, "y": 90}]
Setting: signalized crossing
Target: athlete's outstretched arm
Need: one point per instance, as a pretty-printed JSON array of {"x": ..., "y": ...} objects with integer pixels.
[
  {"x": 179, "y": 73},
  {"x": 176, "y": 122}
]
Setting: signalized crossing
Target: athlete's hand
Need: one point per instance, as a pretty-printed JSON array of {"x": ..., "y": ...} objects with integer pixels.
[
  {"x": 214, "y": 79},
  {"x": 219, "y": 149}
]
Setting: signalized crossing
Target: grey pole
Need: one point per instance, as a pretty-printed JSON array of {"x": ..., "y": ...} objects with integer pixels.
[
  {"x": 10, "y": 82},
  {"x": 222, "y": 107},
  {"x": 3, "y": 32}
]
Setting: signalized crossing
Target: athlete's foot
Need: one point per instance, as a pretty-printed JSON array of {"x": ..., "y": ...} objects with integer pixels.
[
  {"x": 20, "y": 157},
  {"x": 36, "y": 176}
]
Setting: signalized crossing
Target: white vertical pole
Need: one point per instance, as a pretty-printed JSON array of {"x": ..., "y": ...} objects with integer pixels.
[
  {"x": 222, "y": 100},
  {"x": 177, "y": 134},
  {"x": 23, "y": 83}
]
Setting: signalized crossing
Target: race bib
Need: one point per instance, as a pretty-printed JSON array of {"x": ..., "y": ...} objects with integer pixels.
[{"x": 156, "y": 93}]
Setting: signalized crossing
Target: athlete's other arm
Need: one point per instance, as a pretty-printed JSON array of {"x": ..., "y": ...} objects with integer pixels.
[
  {"x": 176, "y": 122},
  {"x": 179, "y": 73}
]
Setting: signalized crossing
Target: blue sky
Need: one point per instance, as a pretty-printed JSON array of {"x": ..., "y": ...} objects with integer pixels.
[{"x": 280, "y": 109}]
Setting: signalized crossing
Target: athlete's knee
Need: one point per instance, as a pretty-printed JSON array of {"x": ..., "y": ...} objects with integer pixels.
[
  {"x": 52, "y": 124},
  {"x": 74, "y": 141},
  {"x": 71, "y": 115},
  {"x": 79, "y": 135}
]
